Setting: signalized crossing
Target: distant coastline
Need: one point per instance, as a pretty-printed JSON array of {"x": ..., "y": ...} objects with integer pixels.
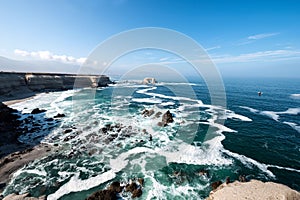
[{"x": 20, "y": 85}]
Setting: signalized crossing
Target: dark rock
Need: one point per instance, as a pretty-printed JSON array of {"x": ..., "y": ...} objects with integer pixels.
[
  {"x": 242, "y": 178},
  {"x": 131, "y": 187},
  {"x": 59, "y": 115},
  {"x": 116, "y": 187},
  {"x": 227, "y": 180},
  {"x": 37, "y": 111},
  {"x": 150, "y": 138},
  {"x": 203, "y": 172},
  {"x": 159, "y": 124},
  {"x": 147, "y": 113},
  {"x": 158, "y": 114},
  {"x": 216, "y": 184},
  {"x": 104, "y": 130},
  {"x": 141, "y": 181},
  {"x": 68, "y": 131},
  {"x": 137, "y": 193},
  {"x": 167, "y": 118},
  {"x": 49, "y": 119},
  {"x": 103, "y": 195},
  {"x": 93, "y": 151},
  {"x": 2, "y": 185}
]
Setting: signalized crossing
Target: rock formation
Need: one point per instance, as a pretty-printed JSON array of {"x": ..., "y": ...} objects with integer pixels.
[
  {"x": 149, "y": 81},
  {"x": 26, "y": 84},
  {"x": 253, "y": 190},
  {"x": 166, "y": 119},
  {"x": 25, "y": 196}
]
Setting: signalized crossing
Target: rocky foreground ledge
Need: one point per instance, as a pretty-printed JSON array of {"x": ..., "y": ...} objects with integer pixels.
[
  {"x": 21, "y": 85},
  {"x": 255, "y": 189}
]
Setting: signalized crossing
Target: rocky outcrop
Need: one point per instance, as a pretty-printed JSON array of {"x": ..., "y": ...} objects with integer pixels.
[
  {"x": 12, "y": 83},
  {"x": 25, "y": 196},
  {"x": 149, "y": 81},
  {"x": 253, "y": 190},
  {"x": 115, "y": 190},
  {"x": 9, "y": 125},
  {"x": 166, "y": 119}
]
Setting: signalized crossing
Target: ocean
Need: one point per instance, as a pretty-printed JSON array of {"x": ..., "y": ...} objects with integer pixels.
[{"x": 104, "y": 138}]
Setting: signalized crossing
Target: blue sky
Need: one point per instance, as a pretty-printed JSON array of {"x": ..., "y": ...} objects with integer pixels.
[{"x": 242, "y": 37}]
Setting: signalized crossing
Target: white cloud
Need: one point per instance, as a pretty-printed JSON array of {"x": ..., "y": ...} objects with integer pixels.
[
  {"x": 261, "y": 36},
  {"x": 212, "y": 48},
  {"x": 47, "y": 55},
  {"x": 164, "y": 59},
  {"x": 263, "y": 56}
]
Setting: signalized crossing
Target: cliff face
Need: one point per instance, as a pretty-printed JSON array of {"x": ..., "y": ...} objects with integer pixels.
[{"x": 14, "y": 83}]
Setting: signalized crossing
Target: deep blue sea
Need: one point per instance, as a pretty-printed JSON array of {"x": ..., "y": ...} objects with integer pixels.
[{"x": 109, "y": 138}]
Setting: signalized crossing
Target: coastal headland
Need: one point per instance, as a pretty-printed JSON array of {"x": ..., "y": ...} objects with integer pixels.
[{"x": 18, "y": 85}]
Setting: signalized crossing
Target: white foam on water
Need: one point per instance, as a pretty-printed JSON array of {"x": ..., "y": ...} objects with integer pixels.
[
  {"x": 190, "y": 154},
  {"x": 168, "y": 103},
  {"x": 174, "y": 83},
  {"x": 249, "y": 161},
  {"x": 290, "y": 111},
  {"x": 159, "y": 191},
  {"x": 30, "y": 171},
  {"x": 284, "y": 168},
  {"x": 75, "y": 184},
  {"x": 295, "y": 96},
  {"x": 147, "y": 100},
  {"x": 221, "y": 127},
  {"x": 293, "y": 125},
  {"x": 232, "y": 115},
  {"x": 250, "y": 109},
  {"x": 270, "y": 114}
]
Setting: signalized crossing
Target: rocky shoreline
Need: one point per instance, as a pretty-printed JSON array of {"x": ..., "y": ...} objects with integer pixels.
[{"x": 16, "y": 87}]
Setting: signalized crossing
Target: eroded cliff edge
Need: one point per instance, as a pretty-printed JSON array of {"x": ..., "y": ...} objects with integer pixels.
[{"x": 15, "y": 85}]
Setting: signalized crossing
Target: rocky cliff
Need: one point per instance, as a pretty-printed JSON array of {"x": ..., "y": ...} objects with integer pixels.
[
  {"x": 255, "y": 190},
  {"x": 24, "y": 84}
]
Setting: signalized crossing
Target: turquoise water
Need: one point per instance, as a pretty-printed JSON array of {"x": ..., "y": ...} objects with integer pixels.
[{"x": 260, "y": 139}]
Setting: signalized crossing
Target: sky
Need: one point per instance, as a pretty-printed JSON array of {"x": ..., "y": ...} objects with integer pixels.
[{"x": 242, "y": 37}]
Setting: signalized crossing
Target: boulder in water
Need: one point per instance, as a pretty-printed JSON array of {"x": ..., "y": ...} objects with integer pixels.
[
  {"x": 166, "y": 119},
  {"x": 37, "y": 111},
  {"x": 103, "y": 195},
  {"x": 59, "y": 115},
  {"x": 137, "y": 193}
]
